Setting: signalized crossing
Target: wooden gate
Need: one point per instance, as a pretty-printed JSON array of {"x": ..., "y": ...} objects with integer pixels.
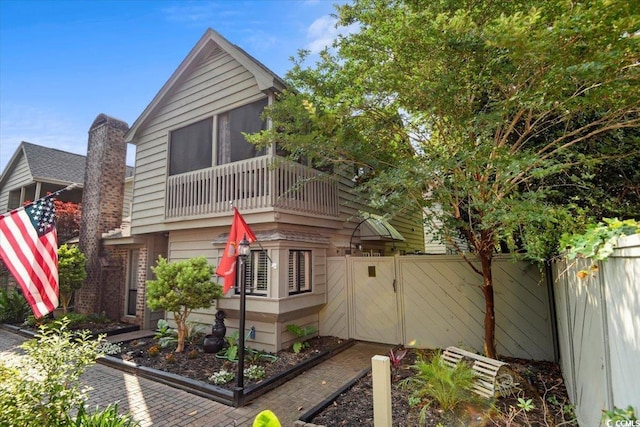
[
  {"x": 375, "y": 300},
  {"x": 436, "y": 302}
]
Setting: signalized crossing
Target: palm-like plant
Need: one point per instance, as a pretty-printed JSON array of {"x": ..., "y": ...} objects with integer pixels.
[{"x": 434, "y": 380}]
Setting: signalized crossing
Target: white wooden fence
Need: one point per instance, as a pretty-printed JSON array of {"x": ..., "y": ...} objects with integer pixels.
[
  {"x": 437, "y": 303},
  {"x": 599, "y": 331}
]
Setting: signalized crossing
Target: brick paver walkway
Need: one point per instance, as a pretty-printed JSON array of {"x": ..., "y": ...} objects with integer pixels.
[{"x": 155, "y": 404}]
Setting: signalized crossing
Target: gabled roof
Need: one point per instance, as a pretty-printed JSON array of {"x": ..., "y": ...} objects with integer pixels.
[
  {"x": 266, "y": 79},
  {"x": 50, "y": 164}
]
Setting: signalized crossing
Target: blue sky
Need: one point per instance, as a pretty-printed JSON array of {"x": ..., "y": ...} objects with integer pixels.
[{"x": 64, "y": 62}]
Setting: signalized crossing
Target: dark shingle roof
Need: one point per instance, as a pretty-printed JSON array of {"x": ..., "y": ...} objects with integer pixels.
[
  {"x": 52, "y": 164},
  {"x": 57, "y": 165}
]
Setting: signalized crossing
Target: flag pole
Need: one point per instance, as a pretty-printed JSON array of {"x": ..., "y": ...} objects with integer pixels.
[
  {"x": 67, "y": 188},
  {"x": 55, "y": 193},
  {"x": 243, "y": 251}
]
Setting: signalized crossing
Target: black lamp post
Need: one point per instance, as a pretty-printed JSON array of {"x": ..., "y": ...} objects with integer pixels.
[{"x": 244, "y": 249}]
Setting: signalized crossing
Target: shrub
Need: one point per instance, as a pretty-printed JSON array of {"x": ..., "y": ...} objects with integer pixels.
[
  {"x": 166, "y": 336},
  {"x": 72, "y": 271},
  {"x": 230, "y": 352},
  {"x": 110, "y": 348},
  {"x": 254, "y": 372},
  {"x": 619, "y": 414},
  {"x": 221, "y": 377},
  {"x": 153, "y": 351},
  {"x": 254, "y": 357},
  {"x": 196, "y": 333},
  {"x": 44, "y": 387},
  {"x": 450, "y": 388},
  {"x": 74, "y": 319},
  {"x": 396, "y": 357},
  {"x": 300, "y": 332},
  {"x": 13, "y": 307},
  {"x": 180, "y": 287},
  {"x": 107, "y": 417}
]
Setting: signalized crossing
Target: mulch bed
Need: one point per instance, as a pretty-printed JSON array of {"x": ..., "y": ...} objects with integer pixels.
[
  {"x": 195, "y": 364},
  {"x": 540, "y": 381}
]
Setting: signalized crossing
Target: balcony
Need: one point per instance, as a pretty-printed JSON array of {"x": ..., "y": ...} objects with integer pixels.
[{"x": 258, "y": 183}]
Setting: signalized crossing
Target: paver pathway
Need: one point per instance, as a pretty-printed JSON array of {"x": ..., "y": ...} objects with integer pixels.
[{"x": 155, "y": 404}]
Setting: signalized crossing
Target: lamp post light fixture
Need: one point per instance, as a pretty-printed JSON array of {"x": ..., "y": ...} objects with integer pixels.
[{"x": 244, "y": 249}]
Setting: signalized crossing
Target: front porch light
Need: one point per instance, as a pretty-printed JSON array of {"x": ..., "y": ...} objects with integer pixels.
[{"x": 244, "y": 248}]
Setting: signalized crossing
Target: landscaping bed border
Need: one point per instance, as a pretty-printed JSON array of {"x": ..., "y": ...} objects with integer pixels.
[{"x": 235, "y": 398}]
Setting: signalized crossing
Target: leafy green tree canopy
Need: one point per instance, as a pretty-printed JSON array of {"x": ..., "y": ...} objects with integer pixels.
[
  {"x": 472, "y": 110},
  {"x": 72, "y": 271},
  {"x": 180, "y": 287}
]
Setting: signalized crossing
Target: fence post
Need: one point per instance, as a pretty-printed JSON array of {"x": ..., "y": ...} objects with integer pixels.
[{"x": 381, "y": 373}]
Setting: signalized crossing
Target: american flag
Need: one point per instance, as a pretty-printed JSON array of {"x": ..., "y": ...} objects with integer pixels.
[{"x": 29, "y": 249}]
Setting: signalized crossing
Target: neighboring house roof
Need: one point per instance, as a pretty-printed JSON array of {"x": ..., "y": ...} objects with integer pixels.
[
  {"x": 50, "y": 164},
  {"x": 266, "y": 79}
]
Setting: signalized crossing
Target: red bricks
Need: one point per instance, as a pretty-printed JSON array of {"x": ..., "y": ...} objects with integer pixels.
[{"x": 103, "y": 197}]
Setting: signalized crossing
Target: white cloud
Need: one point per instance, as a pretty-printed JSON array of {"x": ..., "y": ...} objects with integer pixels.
[{"x": 322, "y": 32}]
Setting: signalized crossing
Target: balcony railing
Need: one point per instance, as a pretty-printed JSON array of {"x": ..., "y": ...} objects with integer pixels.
[{"x": 261, "y": 182}]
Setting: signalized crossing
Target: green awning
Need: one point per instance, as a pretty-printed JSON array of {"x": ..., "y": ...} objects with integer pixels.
[{"x": 377, "y": 228}]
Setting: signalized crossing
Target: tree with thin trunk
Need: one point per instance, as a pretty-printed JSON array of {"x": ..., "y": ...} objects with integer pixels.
[
  {"x": 472, "y": 110},
  {"x": 72, "y": 271},
  {"x": 181, "y": 287}
]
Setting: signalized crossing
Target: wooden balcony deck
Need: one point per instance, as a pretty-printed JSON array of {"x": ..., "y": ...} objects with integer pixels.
[{"x": 258, "y": 183}]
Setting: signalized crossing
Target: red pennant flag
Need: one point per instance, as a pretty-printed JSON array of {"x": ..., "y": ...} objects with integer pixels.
[
  {"x": 227, "y": 266},
  {"x": 29, "y": 249}
]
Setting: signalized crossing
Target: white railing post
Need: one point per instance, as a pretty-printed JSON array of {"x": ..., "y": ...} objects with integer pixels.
[{"x": 381, "y": 374}]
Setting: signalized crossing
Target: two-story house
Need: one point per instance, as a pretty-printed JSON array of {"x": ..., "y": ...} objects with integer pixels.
[{"x": 193, "y": 165}]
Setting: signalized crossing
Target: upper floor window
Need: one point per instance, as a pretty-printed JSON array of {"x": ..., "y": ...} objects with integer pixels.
[
  {"x": 191, "y": 147},
  {"x": 232, "y": 146},
  {"x": 299, "y": 271}
]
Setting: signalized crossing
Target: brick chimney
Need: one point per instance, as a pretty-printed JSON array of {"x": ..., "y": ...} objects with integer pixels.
[{"x": 102, "y": 202}]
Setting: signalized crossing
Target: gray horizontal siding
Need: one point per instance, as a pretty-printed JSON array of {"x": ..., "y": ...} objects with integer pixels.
[
  {"x": 214, "y": 85},
  {"x": 19, "y": 176}
]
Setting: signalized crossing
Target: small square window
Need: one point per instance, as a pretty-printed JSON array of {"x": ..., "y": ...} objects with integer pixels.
[{"x": 299, "y": 271}]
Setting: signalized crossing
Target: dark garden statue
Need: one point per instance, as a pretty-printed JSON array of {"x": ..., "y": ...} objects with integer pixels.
[{"x": 215, "y": 341}]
